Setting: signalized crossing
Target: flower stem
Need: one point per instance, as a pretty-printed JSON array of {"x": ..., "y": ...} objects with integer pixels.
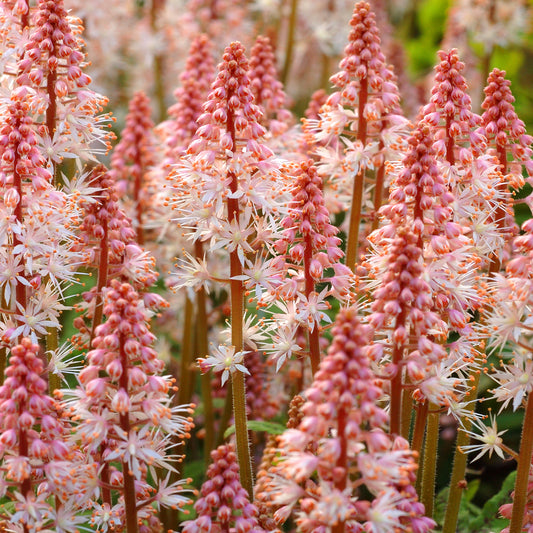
[
  {"x": 457, "y": 484},
  {"x": 420, "y": 427},
  {"x": 396, "y": 384},
  {"x": 52, "y": 343},
  {"x": 523, "y": 469},
  {"x": 130, "y": 498},
  {"x": 357, "y": 194},
  {"x": 201, "y": 342},
  {"x": 429, "y": 473},
  {"x": 293, "y": 17},
  {"x": 407, "y": 409},
  {"x": 314, "y": 336}
]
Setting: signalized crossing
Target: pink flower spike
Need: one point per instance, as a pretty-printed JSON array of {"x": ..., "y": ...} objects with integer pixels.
[
  {"x": 223, "y": 502},
  {"x": 267, "y": 89}
]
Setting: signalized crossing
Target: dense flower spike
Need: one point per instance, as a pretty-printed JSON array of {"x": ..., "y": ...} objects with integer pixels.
[
  {"x": 223, "y": 504},
  {"x": 267, "y": 89},
  {"x": 34, "y": 247},
  {"x": 133, "y": 157},
  {"x": 471, "y": 173},
  {"x": 196, "y": 80},
  {"x": 341, "y": 444},
  {"x": 53, "y": 65},
  {"x": 450, "y": 113},
  {"x": 364, "y": 113},
  {"x": 307, "y": 247},
  {"x": 229, "y": 191},
  {"x": 37, "y": 461},
  {"x": 504, "y": 130},
  {"x": 107, "y": 242},
  {"x": 124, "y": 410}
]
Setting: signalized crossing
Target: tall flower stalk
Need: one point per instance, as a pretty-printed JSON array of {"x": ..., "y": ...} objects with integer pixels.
[
  {"x": 125, "y": 416},
  {"x": 237, "y": 196},
  {"x": 364, "y": 113},
  {"x": 133, "y": 157},
  {"x": 340, "y": 445}
]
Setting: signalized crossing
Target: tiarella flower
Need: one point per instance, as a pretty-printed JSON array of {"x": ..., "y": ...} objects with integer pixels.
[
  {"x": 225, "y": 359},
  {"x": 196, "y": 79},
  {"x": 268, "y": 91},
  {"x": 488, "y": 437},
  {"x": 223, "y": 504},
  {"x": 107, "y": 243},
  {"x": 132, "y": 158},
  {"x": 307, "y": 248},
  {"x": 53, "y": 65},
  {"x": 234, "y": 183},
  {"x": 340, "y": 445},
  {"x": 364, "y": 106},
  {"x": 122, "y": 393},
  {"x": 37, "y": 225},
  {"x": 403, "y": 303},
  {"x": 37, "y": 461}
]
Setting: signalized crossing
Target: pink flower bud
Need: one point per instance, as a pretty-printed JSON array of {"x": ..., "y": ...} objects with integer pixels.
[{"x": 121, "y": 402}]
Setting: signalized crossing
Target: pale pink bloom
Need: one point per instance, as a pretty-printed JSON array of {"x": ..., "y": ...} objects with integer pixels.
[
  {"x": 223, "y": 503},
  {"x": 340, "y": 445},
  {"x": 225, "y": 359},
  {"x": 488, "y": 437}
]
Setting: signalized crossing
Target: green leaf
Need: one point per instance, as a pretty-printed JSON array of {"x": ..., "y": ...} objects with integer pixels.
[
  {"x": 272, "y": 428},
  {"x": 489, "y": 520},
  {"x": 471, "y": 489}
]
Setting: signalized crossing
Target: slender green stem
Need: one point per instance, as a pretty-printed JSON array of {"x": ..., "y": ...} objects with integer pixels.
[
  {"x": 407, "y": 412},
  {"x": 523, "y": 468},
  {"x": 201, "y": 341},
  {"x": 430, "y": 463},
  {"x": 241, "y": 432},
  {"x": 457, "y": 482},
  {"x": 420, "y": 427},
  {"x": 185, "y": 388},
  {"x": 293, "y": 18},
  {"x": 52, "y": 343}
]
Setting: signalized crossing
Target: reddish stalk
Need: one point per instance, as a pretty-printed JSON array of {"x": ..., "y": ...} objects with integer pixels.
[
  {"x": 357, "y": 195},
  {"x": 237, "y": 317},
  {"x": 396, "y": 382},
  {"x": 314, "y": 336},
  {"x": 103, "y": 267},
  {"x": 523, "y": 468},
  {"x": 130, "y": 499}
]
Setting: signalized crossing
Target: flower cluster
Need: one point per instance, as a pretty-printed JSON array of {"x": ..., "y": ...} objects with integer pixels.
[
  {"x": 341, "y": 444},
  {"x": 125, "y": 414},
  {"x": 223, "y": 504}
]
